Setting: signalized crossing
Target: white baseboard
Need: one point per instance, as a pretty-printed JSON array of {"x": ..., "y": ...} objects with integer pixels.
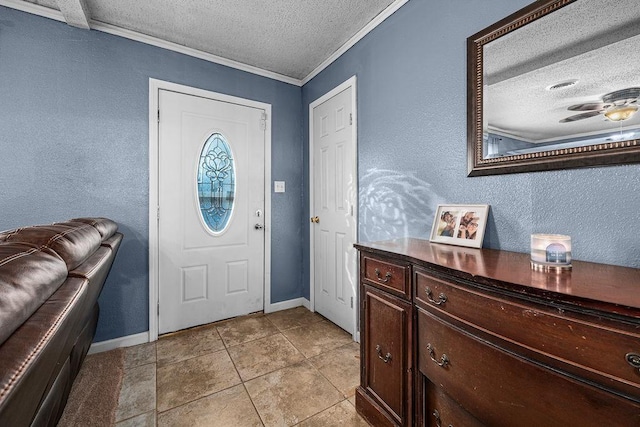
[
  {"x": 284, "y": 305},
  {"x": 128, "y": 341}
]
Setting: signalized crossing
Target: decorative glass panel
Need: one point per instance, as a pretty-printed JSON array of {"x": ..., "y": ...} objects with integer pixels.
[{"x": 216, "y": 183}]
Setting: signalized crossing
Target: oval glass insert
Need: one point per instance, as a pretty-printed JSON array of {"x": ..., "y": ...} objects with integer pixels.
[{"x": 216, "y": 183}]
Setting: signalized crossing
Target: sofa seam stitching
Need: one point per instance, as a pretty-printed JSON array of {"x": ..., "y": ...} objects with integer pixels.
[
  {"x": 64, "y": 233},
  {"x": 13, "y": 257},
  {"x": 14, "y": 378}
]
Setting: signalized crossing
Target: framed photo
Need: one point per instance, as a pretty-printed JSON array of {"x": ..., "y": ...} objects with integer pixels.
[{"x": 461, "y": 225}]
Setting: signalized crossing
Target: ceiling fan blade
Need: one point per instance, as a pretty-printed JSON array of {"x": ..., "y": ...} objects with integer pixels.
[
  {"x": 589, "y": 107},
  {"x": 627, "y": 95},
  {"x": 580, "y": 116}
]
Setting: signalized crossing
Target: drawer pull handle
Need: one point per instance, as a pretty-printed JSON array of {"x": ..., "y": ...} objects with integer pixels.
[
  {"x": 436, "y": 415},
  {"x": 386, "y": 358},
  {"x": 444, "y": 360},
  {"x": 386, "y": 276},
  {"x": 442, "y": 298},
  {"x": 633, "y": 359}
]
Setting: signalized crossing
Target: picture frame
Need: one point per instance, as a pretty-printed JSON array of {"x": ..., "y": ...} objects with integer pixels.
[{"x": 461, "y": 225}]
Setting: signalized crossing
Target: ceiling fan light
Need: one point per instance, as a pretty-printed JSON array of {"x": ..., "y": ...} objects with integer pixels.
[{"x": 618, "y": 114}]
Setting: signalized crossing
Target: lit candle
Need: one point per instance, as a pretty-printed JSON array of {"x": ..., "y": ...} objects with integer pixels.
[{"x": 550, "y": 251}]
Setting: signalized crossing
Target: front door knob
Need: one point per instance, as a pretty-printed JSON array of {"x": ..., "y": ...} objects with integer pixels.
[{"x": 315, "y": 219}]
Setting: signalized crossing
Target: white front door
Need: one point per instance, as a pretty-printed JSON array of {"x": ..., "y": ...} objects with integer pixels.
[
  {"x": 333, "y": 216},
  {"x": 211, "y": 210}
]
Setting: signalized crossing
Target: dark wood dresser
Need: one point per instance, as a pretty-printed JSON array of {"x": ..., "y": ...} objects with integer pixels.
[{"x": 455, "y": 337}]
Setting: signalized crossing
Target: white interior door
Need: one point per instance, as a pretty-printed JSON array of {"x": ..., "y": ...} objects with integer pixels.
[
  {"x": 211, "y": 210},
  {"x": 333, "y": 216}
]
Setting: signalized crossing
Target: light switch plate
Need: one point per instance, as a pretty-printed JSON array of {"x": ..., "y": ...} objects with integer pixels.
[{"x": 278, "y": 186}]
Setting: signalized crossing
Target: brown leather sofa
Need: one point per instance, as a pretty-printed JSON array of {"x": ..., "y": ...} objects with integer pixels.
[{"x": 50, "y": 280}]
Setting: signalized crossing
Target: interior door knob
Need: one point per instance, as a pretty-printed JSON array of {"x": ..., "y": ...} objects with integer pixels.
[
  {"x": 259, "y": 226},
  {"x": 315, "y": 219}
]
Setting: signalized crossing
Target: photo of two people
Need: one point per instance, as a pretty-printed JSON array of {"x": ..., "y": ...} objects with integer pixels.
[
  {"x": 467, "y": 228},
  {"x": 460, "y": 224}
]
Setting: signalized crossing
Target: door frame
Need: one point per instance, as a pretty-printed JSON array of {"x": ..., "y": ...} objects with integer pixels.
[
  {"x": 154, "y": 88},
  {"x": 350, "y": 83}
]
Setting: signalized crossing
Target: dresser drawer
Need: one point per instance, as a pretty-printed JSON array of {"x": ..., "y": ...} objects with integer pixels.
[
  {"x": 440, "y": 410},
  {"x": 573, "y": 344},
  {"x": 502, "y": 389},
  {"x": 390, "y": 275}
]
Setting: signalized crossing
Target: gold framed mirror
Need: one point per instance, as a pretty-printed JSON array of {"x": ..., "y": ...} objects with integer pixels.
[{"x": 555, "y": 85}]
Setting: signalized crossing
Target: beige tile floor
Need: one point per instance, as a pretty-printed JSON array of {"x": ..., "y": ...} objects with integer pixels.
[{"x": 287, "y": 368}]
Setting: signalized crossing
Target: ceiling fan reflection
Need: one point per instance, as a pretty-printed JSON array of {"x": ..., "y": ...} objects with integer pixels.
[{"x": 615, "y": 106}]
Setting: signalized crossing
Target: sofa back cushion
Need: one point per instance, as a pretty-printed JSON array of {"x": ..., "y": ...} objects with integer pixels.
[
  {"x": 73, "y": 242},
  {"x": 29, "y": 275},
  {"x": 105, "y": 226}
]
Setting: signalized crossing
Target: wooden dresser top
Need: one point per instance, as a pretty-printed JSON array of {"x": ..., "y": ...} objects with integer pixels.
[{"x": 601, "y": 287}]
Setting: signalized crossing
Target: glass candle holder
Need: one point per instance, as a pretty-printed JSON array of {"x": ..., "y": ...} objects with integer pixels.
[{"x": 550, "y": 252}]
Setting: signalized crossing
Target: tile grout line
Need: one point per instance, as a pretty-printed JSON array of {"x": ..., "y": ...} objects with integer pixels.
[
  {"x": 127, "y": 371},
  {"x": 205, "y": 396},
  {"x": 306, "y": 359},
  {"x": 226, "y": 347},
  {"x": 204, "y": 353},
  {"x": 294, "y": 346},
  {"x": 241, "y": 317},
  {"x": 244, "y": 385}
]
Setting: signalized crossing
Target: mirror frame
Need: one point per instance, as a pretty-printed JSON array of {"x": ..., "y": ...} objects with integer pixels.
[{"x": 604, "y": 154}]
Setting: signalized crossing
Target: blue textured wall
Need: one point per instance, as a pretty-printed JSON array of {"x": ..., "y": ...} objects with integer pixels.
[
  {"x": 411, "y": 88},
  {"x": 74, "y": 142}
]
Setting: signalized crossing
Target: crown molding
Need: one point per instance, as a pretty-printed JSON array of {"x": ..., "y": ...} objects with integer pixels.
[
  {"x": 390, "y": 10},
  {"x": 34, "y": 9},
  {"x": 154, "y": 41},
  {"x": 45, "y": 12}
]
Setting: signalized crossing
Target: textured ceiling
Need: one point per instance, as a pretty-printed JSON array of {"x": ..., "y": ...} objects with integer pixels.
[
  {"x": 596, "y": 42},
  {"x": 287, "y": 37}
]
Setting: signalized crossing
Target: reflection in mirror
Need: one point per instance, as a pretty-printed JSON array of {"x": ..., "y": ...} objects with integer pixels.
[{"x": 556, "y": 76}]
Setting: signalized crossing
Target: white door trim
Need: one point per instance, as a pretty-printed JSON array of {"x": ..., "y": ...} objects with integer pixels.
[
  {"x": 154, "y": 87},
  {"x": 354, "y": 134}
]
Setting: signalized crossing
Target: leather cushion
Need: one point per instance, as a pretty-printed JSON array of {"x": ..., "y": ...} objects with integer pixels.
[
  {"x": 95, "y": 269},
  {"x": 105, "y": 226},
  {"x": 5, "y": 234},
  {"x": 74, "y": 243},
  {"x": 32, "y": 357},
  {"x": 113, "y": 242},
  {"x": 28, "y": 276}
]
